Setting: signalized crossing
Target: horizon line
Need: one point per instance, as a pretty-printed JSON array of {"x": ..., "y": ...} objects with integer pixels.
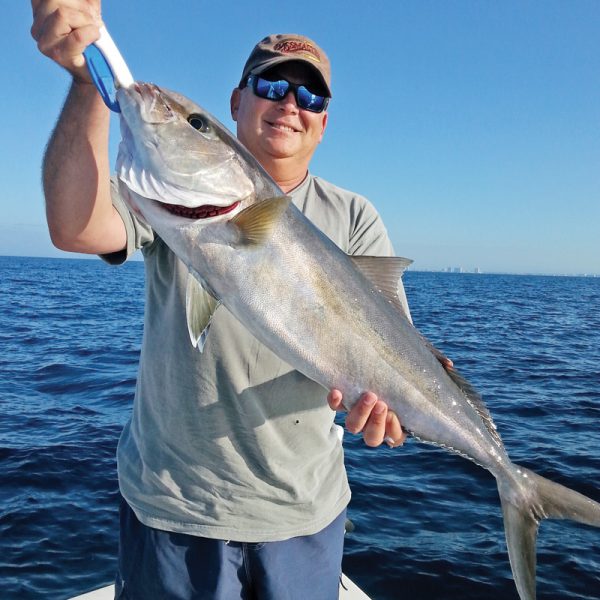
[{"x": 444, "y": 270}]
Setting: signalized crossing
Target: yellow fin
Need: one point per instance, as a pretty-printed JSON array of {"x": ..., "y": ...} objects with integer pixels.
[{"x": 255, "y": 223}]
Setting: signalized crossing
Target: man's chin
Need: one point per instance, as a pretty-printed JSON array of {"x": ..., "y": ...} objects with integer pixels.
[{"x": 278, "y": 149}]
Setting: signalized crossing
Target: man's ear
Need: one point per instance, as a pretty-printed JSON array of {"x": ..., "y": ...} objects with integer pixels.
[
  {"x": 234, "y": 102},
  {"x": 324, "y": 125}
]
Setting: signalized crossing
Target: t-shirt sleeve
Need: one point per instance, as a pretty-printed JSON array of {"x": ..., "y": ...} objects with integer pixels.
[
  {"x": 139, "y": 233},
  {"x": 368, "y": 236}
]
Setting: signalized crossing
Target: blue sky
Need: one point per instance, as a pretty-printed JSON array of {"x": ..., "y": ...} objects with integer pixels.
[{"x": 473, "y": 126}]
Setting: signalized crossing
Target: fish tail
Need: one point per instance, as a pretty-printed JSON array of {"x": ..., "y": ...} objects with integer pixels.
[{"x": 526, "y": 499}]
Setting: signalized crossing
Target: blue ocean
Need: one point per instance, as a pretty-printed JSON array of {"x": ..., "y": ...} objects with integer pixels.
[{"x": 428, "y": 524}]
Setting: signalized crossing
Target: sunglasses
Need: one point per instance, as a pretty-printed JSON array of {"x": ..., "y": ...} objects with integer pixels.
[{"x": 278, "y": 90}]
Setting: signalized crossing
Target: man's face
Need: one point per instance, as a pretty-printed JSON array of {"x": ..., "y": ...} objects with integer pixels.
[{"x": 279, "y": 130}]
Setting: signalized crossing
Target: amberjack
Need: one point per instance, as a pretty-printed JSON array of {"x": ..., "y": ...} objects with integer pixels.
[{"x": 335, "y": 318}]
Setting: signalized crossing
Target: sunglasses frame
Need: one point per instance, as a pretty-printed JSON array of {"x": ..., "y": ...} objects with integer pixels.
[{"x": 252, "y": 82}]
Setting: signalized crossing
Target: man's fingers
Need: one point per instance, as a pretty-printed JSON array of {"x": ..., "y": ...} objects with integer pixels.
[
  {"x": 63, "y": 14},
  {"x": 70, "y": 51},
  {"x": 394, "y": 434},
  {"x": 61, "y": 23},
  {"x": 447, "y": 363},
  {"x": 63, "y": 30},
  {"x": 334, "y": 398},
  {"x": 375, "y": 428},
  {"x": 371, "y": 416},
  {"x": 360, "y": 412}
]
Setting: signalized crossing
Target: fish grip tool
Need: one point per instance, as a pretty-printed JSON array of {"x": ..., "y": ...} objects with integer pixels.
[{"x": 107, "y": 69}]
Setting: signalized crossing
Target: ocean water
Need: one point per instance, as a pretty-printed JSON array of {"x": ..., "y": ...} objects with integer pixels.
[{"x": 427, "y": 524}]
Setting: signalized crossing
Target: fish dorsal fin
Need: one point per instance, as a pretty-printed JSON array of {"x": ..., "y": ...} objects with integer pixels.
[
  {"x": 476, "y": 401},
  {"x": 200, "y": 306},
  {"x": 442, "y": 358},
  {"x": 385, "y": 273},
  {"x": 470, "y": 393},
  {"x": 256, "y": 222}
]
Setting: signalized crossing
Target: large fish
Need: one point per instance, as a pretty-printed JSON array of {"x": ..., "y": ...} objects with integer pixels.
[{"x": 335, "y": 318}]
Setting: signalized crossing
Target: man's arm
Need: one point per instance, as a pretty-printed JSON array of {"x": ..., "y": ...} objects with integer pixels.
[{"x": 76, "y": 171}]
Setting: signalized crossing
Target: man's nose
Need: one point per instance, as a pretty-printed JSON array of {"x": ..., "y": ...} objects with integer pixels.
[{"x": 288, "y": 102}]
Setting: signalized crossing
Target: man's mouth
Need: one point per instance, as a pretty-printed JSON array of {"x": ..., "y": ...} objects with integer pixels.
[
  {"x": 200, "y": 212},
  {"x": 282, "y": 127}
]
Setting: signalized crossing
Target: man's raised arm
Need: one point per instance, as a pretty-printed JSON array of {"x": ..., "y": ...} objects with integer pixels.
[{"x": 76, "y": 170}]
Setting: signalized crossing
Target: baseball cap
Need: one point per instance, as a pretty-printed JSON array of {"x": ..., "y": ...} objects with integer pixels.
[{"x": 283, "y": 47}]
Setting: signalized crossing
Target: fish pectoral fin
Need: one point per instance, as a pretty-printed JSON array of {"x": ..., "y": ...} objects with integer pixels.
[
  {"x": 200, "y": 306},
  {"x": 385, "y": 272},
  {"x": 255, "y": 223}
]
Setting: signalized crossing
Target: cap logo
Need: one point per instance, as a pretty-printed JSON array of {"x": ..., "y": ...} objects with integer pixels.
[{"x": 297, "y": 47}]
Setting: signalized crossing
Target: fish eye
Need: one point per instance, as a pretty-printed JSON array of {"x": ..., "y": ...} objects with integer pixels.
[{"x": 198, "y": 122}]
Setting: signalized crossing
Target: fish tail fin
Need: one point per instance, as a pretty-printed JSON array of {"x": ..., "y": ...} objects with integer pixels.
[{"x": 526, "y": 499}]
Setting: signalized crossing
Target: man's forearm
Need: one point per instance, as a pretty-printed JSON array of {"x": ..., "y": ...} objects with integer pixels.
[{"x": 76, "y": 176}]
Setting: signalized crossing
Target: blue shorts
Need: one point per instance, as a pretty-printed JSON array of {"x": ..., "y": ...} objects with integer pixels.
[{"x": 161, "y": 565}]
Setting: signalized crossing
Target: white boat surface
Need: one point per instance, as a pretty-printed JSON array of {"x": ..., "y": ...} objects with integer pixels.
[{"x": 348, "y": 591}]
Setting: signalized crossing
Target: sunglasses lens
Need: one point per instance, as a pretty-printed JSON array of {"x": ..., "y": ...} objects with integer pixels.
[
  {"x": 309, "y": 101},
  {"x": 272, "y": 90}
]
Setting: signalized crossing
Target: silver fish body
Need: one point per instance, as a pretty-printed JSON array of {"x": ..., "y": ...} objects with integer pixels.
[{"x": 333, "y": 317}]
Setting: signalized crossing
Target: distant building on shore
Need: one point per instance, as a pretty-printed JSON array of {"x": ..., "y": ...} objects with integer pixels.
[{"x": 461, "y": 270}]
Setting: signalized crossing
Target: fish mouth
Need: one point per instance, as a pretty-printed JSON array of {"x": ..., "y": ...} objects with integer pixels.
[{"x": 200, "y": 212}]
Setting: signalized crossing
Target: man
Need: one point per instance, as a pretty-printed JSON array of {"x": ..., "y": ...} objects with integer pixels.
[{"x": 230, "y": 467}]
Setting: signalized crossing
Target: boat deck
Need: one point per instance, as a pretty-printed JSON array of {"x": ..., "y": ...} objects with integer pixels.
[{"x": 348, "y": 591}]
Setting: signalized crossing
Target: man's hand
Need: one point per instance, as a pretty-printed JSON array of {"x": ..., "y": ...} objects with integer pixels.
[
  {"x": 63, "y": 29},
  {"x": 371, "y": 416}
]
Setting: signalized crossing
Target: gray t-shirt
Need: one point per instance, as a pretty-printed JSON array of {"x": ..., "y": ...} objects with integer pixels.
[{"x": 233, "y": 443}]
